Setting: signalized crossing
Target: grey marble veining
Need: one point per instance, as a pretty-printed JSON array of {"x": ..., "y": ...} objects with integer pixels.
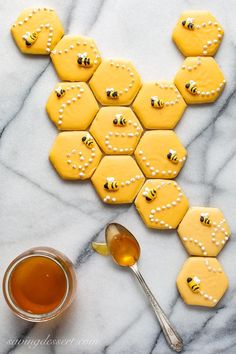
[{"x": 110, "y": 314}]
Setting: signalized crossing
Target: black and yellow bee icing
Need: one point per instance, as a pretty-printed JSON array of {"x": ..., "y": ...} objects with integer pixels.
[
  {"x": 84, "y": 60},
  {"x": 205, "y": 220},
  {"x": 172, "y": 156},
  {"x": 119, "y": 120},
  {"x": 60, "y": 92},
  {"x": 150, "y": 194},
  {"x": 188, "y": 24},
  {"x": 193, "y": 283},
  {"x": 191, "y": 86},
  {"x": 157, "y": 102},
  {"x": 30, "y": 38},
  {"x": 111, "y": 184},
  {"x": 111, "y": 93},
  {"x": 88, "y": 141}
]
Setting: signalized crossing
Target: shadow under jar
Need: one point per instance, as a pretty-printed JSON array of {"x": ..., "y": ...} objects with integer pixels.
[{"x": 39, "y": 284}]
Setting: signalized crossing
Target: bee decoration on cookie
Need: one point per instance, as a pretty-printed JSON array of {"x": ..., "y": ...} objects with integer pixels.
[
  {"x": 111, "y": 184},
  {"x": 157, "y": 102},
  {"x": 119, "y": 120},
  {"x": 150, "y": 194},
  {"x": 194, "y": 284},
  {"x": 191, "y": 86},
  {"x": 60, "y": 92},
  {"x": 111, "y": 93},
  {"x": 172, "y": 156},
  {"x": 88, "y": 141},
  {"x": 188, "y": 23},
  {"x": 205, "y": 220},
  {"x": 84, "y": 60},
  {"x": 30, "y": 38}
]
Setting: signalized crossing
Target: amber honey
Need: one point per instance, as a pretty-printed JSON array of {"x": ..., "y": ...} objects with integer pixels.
[
  {"x": 124, "y": 249},
  {"x": 39, "y": 284}
]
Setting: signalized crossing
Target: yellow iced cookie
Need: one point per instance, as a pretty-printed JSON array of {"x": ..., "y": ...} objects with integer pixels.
[
  {"x": 116, "y": 82},
  {"x": 197, "y": 33},
  {"x": 117, "y": 130},
  {"x": 117, "y": 179},
  {"x": 160, "y": 154},
  {"x": 159, "y": 105},
  {"x": 37, "y": 31},
  {"x": 161, "y": 204},
  {"x": 204, "y": 231},
  {"x": 202, "y": 281},
  {"x": 75, "y": 155},
  {"x": 200, "y": 80},
  {"x": 75, "y": 58},
  {"x": 72, "y": 106}
]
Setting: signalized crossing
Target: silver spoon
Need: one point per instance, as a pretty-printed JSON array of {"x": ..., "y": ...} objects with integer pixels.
[{"x": 125, "y": 251}]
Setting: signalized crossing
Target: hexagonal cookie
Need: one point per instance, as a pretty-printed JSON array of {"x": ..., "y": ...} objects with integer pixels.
[
  {"x": 37, "y": 31},
  {"x": 75, "y": 58},
  {"x": 116, "y": 82},
  {"x": 159, "y": 105},
  {"x": 200, "y": 80},
  {"x": 75, "y": 155},
  {"x": 160, "y": 154},
  {"x": 117, "y": 130},
  {"x": 204, "y": 231},
  {"x": 161, "y": 204},
  {"x": 202, "y": 281},
  {"x": 72, "y": 106},
  {"x": 117, "y": 179},
  {"x": 197, "y": 33}
]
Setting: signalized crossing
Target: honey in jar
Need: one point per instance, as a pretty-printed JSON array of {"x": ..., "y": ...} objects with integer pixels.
[{"x": 38, "y": 284}]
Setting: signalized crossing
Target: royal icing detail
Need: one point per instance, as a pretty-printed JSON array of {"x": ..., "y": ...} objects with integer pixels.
[
  {"x": 77, "y": 46},
  {"x": 188, "y": 23},
  {"x": 123, "y": 184},
  {"x": 83, "y": 164},
  {"x": 38, "y": 30},
  {"x": 130, "y": 75},
  {"x": 78, "y": 92},
  {"x": 155, "y": 171},
  {"x": 150, "y": 194},
  {"x": 166, "y": 86},
  {"x": 209, "y": 43},
  {"x": 218, "y": 228},
  {"x": 198, "y": 91},
  {"x": 119, "y": 134},
  {"x": 165, "y": 207}
]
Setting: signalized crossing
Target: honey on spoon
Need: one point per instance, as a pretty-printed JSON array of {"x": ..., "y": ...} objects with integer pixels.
[{"x": 125, "y": 251}]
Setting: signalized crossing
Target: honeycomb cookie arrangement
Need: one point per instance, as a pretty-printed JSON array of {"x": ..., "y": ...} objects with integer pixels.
[{"x": 118, "y": 132}]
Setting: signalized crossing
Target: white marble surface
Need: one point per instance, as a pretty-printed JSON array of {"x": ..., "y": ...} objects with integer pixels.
[{"x": 37, "y": 208}]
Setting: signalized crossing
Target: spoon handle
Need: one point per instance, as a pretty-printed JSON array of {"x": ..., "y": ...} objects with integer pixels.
[{"x": 172, "y": 337}]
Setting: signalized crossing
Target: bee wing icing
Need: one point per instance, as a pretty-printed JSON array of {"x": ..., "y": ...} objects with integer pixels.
[
  {"x": 197, "y": 280},
  {"x": 110, "y": 179}
]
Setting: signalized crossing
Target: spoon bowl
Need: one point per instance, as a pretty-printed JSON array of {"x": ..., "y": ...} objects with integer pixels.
[{"x": 123, "y": 246}]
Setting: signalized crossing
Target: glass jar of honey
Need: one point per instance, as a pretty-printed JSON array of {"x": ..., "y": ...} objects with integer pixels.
[{"x": 39, "y": 284}]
